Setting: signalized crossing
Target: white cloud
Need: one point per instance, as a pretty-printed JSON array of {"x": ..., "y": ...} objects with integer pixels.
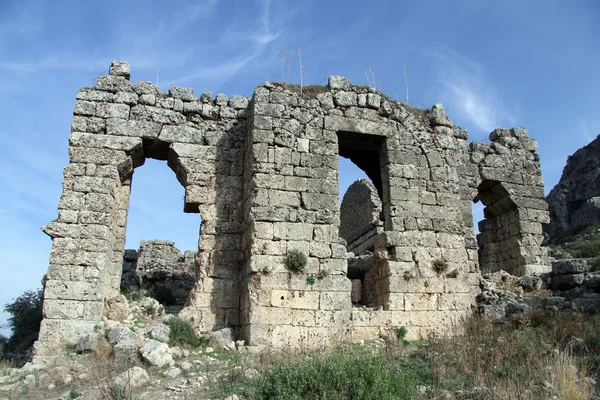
[{"x": 467, "y": 91}]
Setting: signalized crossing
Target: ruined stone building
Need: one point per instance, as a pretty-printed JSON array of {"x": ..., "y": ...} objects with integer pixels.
[{"x": 263, "y": 174}]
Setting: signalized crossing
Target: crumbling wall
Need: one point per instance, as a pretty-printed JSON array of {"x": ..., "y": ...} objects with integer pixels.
[
  {"x": 263, "y": 174},
  {"x": 158, "y": 263}
]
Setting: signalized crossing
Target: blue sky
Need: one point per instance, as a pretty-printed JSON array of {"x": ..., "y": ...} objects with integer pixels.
[{"x": 492, "y": 64}]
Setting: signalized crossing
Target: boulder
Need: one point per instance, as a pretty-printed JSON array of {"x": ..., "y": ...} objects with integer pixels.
[
  {"x": 223, "y": 338},
  {"x": 132, "y": 378},
  {"x": 161, "y": 332},
  {"x": 88, "y": 343},
  {"x": 156, "y": 353}
]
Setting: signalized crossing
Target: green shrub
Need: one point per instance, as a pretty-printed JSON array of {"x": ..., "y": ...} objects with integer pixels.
[
  {"x": 322, "y": 274},
  {"x": 338, "y": 376},
  {"x": 26, "y": 317},
  {"x": 182, "y": 333},
  {"x": 295, "y": 260},
  {"x": 163, "y": 294},
  {"x": 583, "y": 247},
  {"x": 401, "y": 333},
  {"x": 310, "y": 280},
  {"x": 440, "y": 266}
]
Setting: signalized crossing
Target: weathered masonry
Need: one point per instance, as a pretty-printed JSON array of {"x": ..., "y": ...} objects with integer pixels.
[{"x": 263, "y": 174}]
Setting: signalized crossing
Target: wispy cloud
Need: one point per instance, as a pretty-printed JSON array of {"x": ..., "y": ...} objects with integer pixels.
[
  {"x": 466, "y": 90},
  {"x": 258, "y": 39}
]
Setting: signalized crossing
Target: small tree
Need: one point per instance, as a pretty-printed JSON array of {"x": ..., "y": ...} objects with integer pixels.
[
  {"x": 26, "y": 317},
  {"x": 3, "y": 341}
]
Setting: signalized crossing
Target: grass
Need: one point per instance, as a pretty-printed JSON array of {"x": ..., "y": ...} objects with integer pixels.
[{"x": 540, "y": 356}]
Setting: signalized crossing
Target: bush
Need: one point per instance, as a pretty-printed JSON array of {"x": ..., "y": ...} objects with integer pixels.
[
  {"x": 163, "y": 294},
  {"x": 440, "y": 266},
  {"x": 26, "y": 317},
  {"x": 401, "y": 333},
  {"x": 338, "y": 376},
  {"x": 295, "y": 260},
  {"x": 182, "y": 333}
]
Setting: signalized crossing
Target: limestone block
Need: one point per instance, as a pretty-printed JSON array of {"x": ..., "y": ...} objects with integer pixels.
[
  {"x": 108, "y": 110},
  {"x": 289, "y": 336},
  {"x": 105, "y": 141},
  {"x": 338, "y": 82},
  {"x": 184, "y": 134},
  {"x": 303, "y": 145},
  {"x": 143, "y": 129},
  {"x": 296, "y": 299},
  {"x": 120, "y": 68},
  {"x": 335, "y": 301},
  {"x": 302, "y": 317},
  {"x": 88, "y": 343},
  {"x": 185, "y": 94},
  {"x": 119, "y": 334},
  {"x": 356, "y": 292},
  {"x": 270, "y": 110},
  {"x": 85, "y": 108},
  {"x": 88, "y": 124},
  {"x": 238, "y": 102},
  {"x": 126, "y": 98},
  {"x": 161, "y": 333},
  {"x": 64, "y": 331},
  {"x": 73, "y": 309},
  {"x": 113, "y": 84},
  {"x": 82, "y": 291},
  {"x": 345, "y": 99},
  {"x": 156, "y": 353},
  {"x": 455, "y": 301},
  {"x": 319, "y": 337},
  {"x": 364, "y": 333},
  {"x": 338, "y": 320},
  {"x": 90, "y": 94},
  {"x": 155, "y": 114},
  {"x": 134, "y": 377},
  {"x": 568, "y": 281},
  {"x": 420, "y": 302}
]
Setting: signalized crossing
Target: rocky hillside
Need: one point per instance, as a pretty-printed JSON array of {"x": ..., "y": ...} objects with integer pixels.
[{"x": 575, "y": 201}]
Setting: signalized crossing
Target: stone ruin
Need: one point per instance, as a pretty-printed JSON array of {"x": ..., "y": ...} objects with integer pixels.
[
  {"x": 263, "y": 174},
  {"x": 158, "y": 263}
]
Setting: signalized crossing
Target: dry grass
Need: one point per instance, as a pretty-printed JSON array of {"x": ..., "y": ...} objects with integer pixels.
[
  {"x": 541, "y": 356},
  {"x": 568, "y": 378}
]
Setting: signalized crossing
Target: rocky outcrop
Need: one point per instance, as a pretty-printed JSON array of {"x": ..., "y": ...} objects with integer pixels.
[{"x": 574, "y": 203}]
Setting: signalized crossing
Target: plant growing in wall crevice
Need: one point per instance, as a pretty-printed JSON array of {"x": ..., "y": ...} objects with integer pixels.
[
  {"x": 295, "y": 260},
  {"x": 440, "y": 266}
]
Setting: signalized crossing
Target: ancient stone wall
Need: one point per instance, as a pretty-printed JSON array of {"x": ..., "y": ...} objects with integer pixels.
[
  {"x": 360, "y": 216},
  {"x": 263, "y": 174}
]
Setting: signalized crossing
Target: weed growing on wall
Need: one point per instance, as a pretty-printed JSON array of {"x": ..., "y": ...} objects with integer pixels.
[{"x": 295, "y": 260}]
